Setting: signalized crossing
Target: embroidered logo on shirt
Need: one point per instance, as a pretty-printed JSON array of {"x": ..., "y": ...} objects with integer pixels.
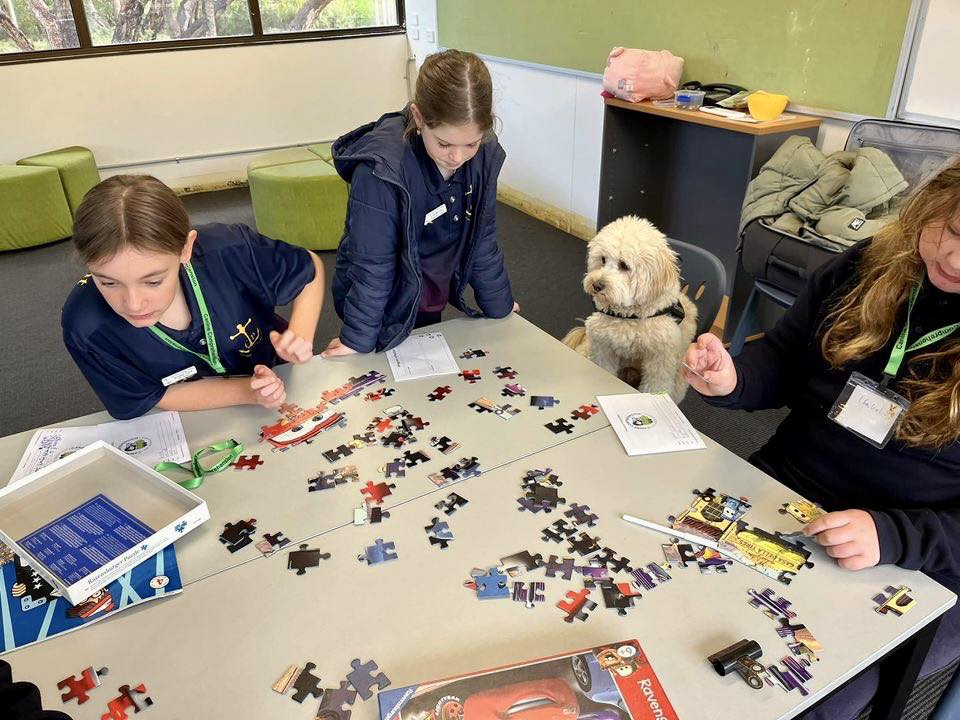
[{"x": 250, "y": 339}]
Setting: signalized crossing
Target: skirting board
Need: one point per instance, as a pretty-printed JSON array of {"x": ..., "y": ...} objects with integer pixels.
[{"x": 569, "y": 222}]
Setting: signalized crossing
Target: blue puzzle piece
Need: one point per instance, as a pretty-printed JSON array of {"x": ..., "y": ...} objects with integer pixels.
[
  {"x": 492, "y": 586},
  {"x": 379, "y": 552},
  {"x": 542, "y": 402}
]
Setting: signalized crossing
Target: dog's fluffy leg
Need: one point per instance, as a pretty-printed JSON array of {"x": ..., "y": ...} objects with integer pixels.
[{"x": 577, "y": 339}]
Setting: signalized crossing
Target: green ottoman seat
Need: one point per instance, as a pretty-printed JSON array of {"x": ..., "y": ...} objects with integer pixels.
[
  {"x": 324, "y": 151},
  {"x": 33, "y": 208},
  {"x": 303, "y": 203},
  {"x": 77, "y": 169}
]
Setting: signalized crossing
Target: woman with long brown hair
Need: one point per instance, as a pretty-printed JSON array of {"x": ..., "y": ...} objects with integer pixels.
[
  {"x": 868, "y": 361},
  {"x": 420, "y": 223}
]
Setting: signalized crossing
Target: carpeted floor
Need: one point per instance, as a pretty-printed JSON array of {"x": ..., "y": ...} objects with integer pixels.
[{"x": 41, "y": 385}]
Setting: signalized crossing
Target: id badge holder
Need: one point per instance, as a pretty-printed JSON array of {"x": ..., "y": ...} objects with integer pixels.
[{"x": 868, "y": 410}]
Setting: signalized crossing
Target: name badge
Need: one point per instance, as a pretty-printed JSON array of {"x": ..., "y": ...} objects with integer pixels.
[
  {"x": 868, "y": 410},
  {"x": 434, "y": 214},
  {"x": 180, "y": 376}
]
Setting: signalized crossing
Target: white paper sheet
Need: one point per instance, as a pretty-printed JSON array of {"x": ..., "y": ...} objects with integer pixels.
[
  {"x": 150, "y": 439},
  {"x": 421, "y": 356},
  {"x": 648, "y": 424}
]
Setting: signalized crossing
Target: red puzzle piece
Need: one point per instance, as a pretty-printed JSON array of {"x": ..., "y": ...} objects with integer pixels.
[
  {"x": 247, "y": 463},
  {"x": 584, "y": 412},
  {"x": 376, "y": 493},
  {"x": 576, "y": 606},
  {"x": 80, "y": 686},
  {"x": 134, "y": 698}
]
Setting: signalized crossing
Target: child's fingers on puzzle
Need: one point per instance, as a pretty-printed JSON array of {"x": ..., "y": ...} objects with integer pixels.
[
  {"x": 836, "y": 536},
  {"x": 261, "y": 381},
  {"x": 845, "y": 550}
]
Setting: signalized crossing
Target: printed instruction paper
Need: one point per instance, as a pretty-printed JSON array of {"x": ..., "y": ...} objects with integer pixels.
[
  {"x": 421, "y": 356},
  {"x": 151, "y": 439},
  {"x": 648, "y": 424}
]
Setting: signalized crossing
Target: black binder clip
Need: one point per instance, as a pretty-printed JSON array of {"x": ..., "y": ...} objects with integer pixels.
[{"x": 740, "y": 657}]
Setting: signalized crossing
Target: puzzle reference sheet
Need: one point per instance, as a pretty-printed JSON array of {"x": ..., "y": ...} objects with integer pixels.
[
  {"x": 421, "y": 356},
  {"x": 606, "y": 682},
  {"x": 151, "y": 439},
  {"x": 648, "y": 424},
  {"x": 32, "y": 610}
]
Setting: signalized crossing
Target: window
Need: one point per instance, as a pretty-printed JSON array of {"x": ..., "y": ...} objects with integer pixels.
[
  {"x": 46, "y": 29},
  {"x": 28, "y": 25}
]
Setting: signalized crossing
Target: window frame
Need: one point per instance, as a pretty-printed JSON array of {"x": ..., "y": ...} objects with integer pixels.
[{"x": 257, "y": 37}]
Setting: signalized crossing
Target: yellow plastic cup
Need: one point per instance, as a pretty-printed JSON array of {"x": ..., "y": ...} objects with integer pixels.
[{"x": 766, "y": 106}]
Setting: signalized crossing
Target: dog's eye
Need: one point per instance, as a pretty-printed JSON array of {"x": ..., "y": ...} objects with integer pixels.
[{"x": 624, "y": 267}]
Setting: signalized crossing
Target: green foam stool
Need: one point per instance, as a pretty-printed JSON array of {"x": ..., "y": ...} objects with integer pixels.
[
  {"x": 77, "y": 169},
  {"x": 323, "y": 151},
  {"x": 303, "y": 203},
  {"x": 33, "y": 208},
  {"x": 282, "y": 157}
]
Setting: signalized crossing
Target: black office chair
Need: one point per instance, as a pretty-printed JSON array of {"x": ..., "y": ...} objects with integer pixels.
[{"x": 704, "y": 280}]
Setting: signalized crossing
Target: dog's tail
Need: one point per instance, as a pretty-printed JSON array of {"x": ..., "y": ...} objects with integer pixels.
[{"x": 575, "y": 338}]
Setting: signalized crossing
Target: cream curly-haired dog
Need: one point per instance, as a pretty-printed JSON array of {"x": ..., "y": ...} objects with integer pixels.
[{"x": 644, "y": 322}]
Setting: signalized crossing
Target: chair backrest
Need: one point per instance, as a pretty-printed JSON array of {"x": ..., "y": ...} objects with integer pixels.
[{"x": 703, "y": 278}]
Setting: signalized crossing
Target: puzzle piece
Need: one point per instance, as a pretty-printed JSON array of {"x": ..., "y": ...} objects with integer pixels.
[
  {"x": 395, "y": 468},
  {"x": 505, "y": 373},
  {"x": 613, "y": 562},
  {"x": 334, "y": 699},
  {"x": 376, "y": 493},
  {"x": 376, "y": 514},
  {"x": 444, "y": 444},
  {"x": 272, "y": 543},
  {"x": 483, "y": 405},
  {"x": 470, "y": 376},
  {"x": 304, "y": 558},
  {"x": 306, "y": 684},
  {"x": 80, "y": 686},
  {"x": 529, "y": 597},
  {"x": 130, "y": 698},
  {"x": 542, "y": 402},
  {"x": 547, "y": 495},
  {"x": 468, "y": 467},
  {"x": 470, "y": 354},
  {"x": 439, "y": 393},
  {"x": 513, "y": 390},
  {"x": 584, "y": 546},
  {"x": 898, "y": 602},
  {"x": 581, "y": 515},
  {"x": 236, "y": 536},
  {"x": 451, "y": 504},
  {"x": 594, "y": 573},
  {"x": 803, "y": 510},
  {"x": 614, "y": 599},
  {"x": 378, "y": 395},
  {"x": 576, "y": 605},
  {"x": 362, "y": 678},
  {"x": 773, "y": 607},
  {"x": 565, "y": 568},
  {"x": 397, "y": 439},
  {"x": 412, "y": 459},
  {"x": 338, "y": 453},
  {"x": 325, "y": 481},
  {"x": 492, "y": 585},
  {"x": 531, "y": 505},
  {"x": 584, "y": 412},
  {"x": 359, "y": 442},
  {"x": 560, "y": 425},
  {"x": 438, "y": 529},
  {"x": 379, "y": 552},
  {"x": 521, "y": 562},
  {"x": 558, "y": 532},
  {"x": 413, "y": 424},
  {"x": 506, "y": 412},
  {"x": 539, "y": 477},
  {"x": 247, "y": 463}
]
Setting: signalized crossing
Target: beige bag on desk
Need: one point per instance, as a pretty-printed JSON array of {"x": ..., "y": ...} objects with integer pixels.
[{"x": 635, "y": 75}]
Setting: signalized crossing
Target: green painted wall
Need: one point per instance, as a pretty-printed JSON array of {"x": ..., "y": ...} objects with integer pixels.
[{"x": 836, "y": 54}]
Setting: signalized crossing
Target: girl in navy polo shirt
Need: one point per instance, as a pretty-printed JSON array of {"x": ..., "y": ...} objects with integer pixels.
[
  {"x": 420, "y": 224},
  {"x": 164, "y": 303}
]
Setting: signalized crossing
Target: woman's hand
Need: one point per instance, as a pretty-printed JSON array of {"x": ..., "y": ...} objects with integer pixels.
[
  {"x": 708, "y": 367},
  {"x": 336, "y": 349},
  {"x": 267, "y": 387},
  {"x": 290, "y": 347},
  {"x": 516, "y": 307},
  {"x": 849, "y": 536}
]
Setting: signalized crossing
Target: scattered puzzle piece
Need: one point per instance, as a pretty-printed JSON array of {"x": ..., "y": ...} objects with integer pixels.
[
  {"x": 439, "y": 393},
  {"x": 542, "y": 402},
  {"x": 377, "y": 492},
  {"x": 304, "y": 558},
  {"x": 394, "y": 469},
  {"x": 470, "y": 376},
  {"x": 272, "y": 543},
  {"x": 470, "y": 354},
  {"x": 492, "y": 585},
  {"x": 338, "y": 453},
  {"x": 513, "y": 390},
  {"x": 558, "y": 532},
  {"x": 581, "y": 515},
  {"x": 412, "y": 459},
  {"x": 529, "y": 597},
  {"x": 614, "y": 599},
  {"x": 521, "y": 562},
  {"x": 80, "y": 686},
  {"x": 247, "y": 463},
  {"x": 129, "y": 698},
  {"x": 362, "y": 678},
  {"x": 565, "y": 568},
  {"x": 334, "y": 699},
  {"x": 531, "y": 505},
  {"x": 451, "y": 504},
  {"x": 576, "y": 606},
  {"x": 505, "y": 373},
  {"x": 444, "y": 444},
  {"x": 306, "y": 684},
  {"x": 378, "y": 395},
  {"x": 803, "y": 510},
  {"x": 236, "y": 536},
  {"x": 898, "y": 602},
  {"x": 585, "y": 545},
  {"x": 584, "y": 412},
  {"x": 560, "y": 425},
  {"x": 379, "y": 552}
]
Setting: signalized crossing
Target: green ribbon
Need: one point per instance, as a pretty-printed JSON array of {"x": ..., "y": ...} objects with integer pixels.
[
  {"x": 213, "y": 358},
  {"x": 198, "y": 471},
  {"x": 900, "y": 348}
]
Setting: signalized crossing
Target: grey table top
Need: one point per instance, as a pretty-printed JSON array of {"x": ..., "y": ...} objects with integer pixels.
[{"x": 216, "y": 649}]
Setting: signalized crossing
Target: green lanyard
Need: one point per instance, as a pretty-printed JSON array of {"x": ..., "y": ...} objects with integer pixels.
[
  {"x": 213, "y": 359},
  {"x": 900, "y": 348},
  {"x": 194, "y": 466}
]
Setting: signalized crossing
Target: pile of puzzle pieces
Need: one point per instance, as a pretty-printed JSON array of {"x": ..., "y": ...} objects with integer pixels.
[
  {"x": 793, "y": 672},
  {"x": 131, "y": 698},
  {"x": 562, "y": 425}
]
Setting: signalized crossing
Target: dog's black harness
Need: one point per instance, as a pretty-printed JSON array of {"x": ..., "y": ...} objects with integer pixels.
[{"x": 675, "y": 311}]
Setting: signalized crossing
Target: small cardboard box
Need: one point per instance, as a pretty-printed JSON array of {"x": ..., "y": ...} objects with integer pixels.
[{"x": 88, "y": 518}]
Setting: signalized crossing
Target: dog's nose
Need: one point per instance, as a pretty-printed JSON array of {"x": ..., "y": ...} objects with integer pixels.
[{"x": 598, "y": 286}]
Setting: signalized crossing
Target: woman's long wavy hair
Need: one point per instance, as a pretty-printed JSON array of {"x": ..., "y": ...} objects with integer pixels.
[{"x": 863, "y": 321}]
